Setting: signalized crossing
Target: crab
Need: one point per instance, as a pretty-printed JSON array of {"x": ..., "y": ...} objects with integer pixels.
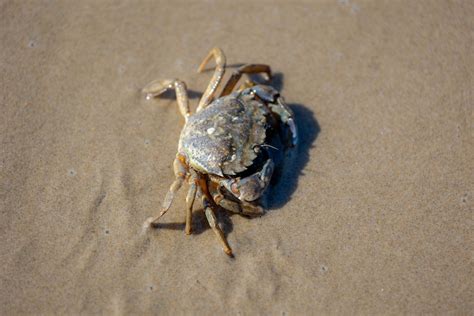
[{"x": 224, "y": 151}]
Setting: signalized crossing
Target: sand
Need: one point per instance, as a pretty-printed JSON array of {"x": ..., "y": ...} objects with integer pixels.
[{"x": 372, "y": 215}]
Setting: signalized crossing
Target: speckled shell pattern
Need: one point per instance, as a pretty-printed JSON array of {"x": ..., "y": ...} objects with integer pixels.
[{"x": 224, "y": 138}]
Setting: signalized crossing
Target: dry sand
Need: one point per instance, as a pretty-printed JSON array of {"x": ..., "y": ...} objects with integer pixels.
[{"x": 374, "y": 214}]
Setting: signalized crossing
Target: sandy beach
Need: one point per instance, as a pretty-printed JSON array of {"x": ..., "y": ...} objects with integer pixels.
[{"x": 372, "y": 213}]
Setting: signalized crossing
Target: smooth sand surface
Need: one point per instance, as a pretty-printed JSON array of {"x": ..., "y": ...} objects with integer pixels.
[{"x": 373, "y": 215}]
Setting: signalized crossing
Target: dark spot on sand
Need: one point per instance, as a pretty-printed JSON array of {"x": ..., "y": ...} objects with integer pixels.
[
  {"x": 100, "y": 199},
  {"x": 71, "y": 172}
]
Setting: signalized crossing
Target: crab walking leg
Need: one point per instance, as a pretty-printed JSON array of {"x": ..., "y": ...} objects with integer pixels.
[
  {"x": 220, "y": 200},
  {"x": 189, "y": 206},
  {"x": 157, "y": 87},
  {"x": 246, "y": 69},
  {"x": 235, "y": 207},
  {"x": 211, "y": 218},
  {"x": 243, "y": 208},
  {"x": 208, "y": 95},
  {"x": 180, "y": 174}
]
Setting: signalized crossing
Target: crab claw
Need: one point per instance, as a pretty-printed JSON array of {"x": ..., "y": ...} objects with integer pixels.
[{"x": 251, "y": 188}]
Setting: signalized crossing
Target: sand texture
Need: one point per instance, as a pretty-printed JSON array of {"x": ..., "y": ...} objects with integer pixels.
[{"x": 373, "y": 213}]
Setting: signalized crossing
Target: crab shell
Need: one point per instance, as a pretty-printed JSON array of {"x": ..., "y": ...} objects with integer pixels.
[{"x": 225, "y": 138}]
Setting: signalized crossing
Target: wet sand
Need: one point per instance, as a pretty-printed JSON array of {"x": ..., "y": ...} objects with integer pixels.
[{"x": 372, "y": 215}]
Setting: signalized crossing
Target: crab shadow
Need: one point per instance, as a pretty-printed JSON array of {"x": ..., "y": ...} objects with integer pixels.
[
  {"x": 200, "y": 223},
  {"x": 288, "y": 172},
  {"x": 170, "y": 94}
]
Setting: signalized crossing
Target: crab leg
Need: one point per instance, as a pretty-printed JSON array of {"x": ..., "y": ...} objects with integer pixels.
[
  {"x": 220, "y": 200},
  {"x": 157, "y": 87},
  {"x": 233, "y": 206},
  {"x": 189, "y": 203},
  {"x": 208, "y": 95},
  {"x": 180, "y": 174},
  {"x": 211, "y": 218},
  {"x": 246, "y": 69}
]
